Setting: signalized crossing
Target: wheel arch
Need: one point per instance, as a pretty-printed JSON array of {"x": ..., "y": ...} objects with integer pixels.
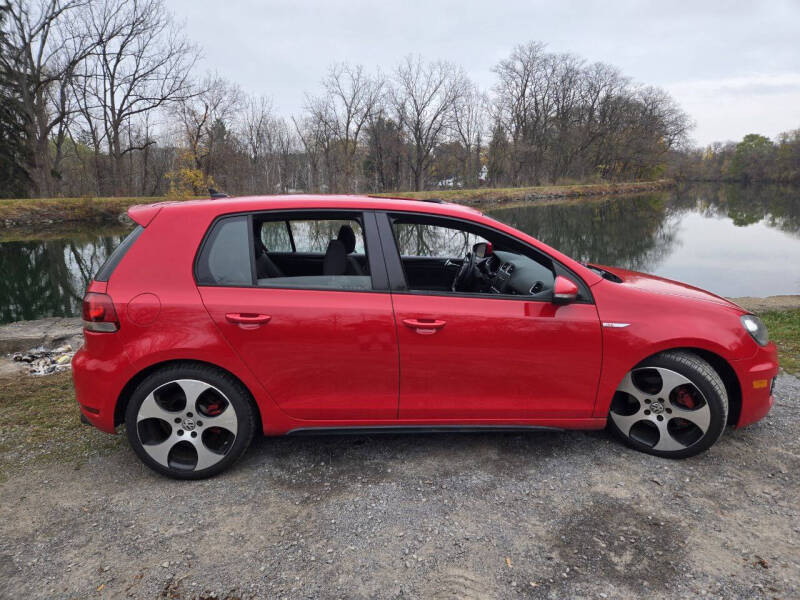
[
  {"x": 723, "y": 368},
  {"x": 128, "y": 389}
]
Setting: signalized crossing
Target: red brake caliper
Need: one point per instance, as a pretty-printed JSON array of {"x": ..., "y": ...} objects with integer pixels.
[
  {"x": 684, "y": 398},
  {"x": 213, "y": 409}
]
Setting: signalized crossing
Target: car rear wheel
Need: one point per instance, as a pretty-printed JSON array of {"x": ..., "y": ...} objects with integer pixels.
[
  {"x": 673, "y": 405},
  {"x": 189, "y": 421}
]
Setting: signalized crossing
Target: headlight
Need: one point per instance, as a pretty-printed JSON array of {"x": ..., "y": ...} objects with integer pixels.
[{"x": 756, "y": 328}]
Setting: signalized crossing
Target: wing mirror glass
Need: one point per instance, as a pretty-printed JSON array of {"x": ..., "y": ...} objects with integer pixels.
[
  {"x": 482, "y": 249},
  {"x": 564, "y": 290}
]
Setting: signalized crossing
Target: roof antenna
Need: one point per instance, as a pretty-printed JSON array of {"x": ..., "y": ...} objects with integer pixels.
[{"x": 215, "y": 194}]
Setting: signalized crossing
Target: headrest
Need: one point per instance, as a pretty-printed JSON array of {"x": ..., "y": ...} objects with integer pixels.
[
  {"x": 347, "y": 237},
  {"x": 335, "y": 261}
]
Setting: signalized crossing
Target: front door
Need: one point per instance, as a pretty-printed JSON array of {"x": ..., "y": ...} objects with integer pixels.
[
  {"x": 322, "y": 339},
  {"x": 476, "y": 354}
]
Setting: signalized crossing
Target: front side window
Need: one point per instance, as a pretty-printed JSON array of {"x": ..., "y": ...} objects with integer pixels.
[{"x": 446, "y": 256}]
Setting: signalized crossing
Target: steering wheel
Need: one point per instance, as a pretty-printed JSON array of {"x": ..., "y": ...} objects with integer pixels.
[{"x": 465, "y": 273}]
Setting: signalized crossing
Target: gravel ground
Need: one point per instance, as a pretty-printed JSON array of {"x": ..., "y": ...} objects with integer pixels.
[{"x": 540, "y": 515}]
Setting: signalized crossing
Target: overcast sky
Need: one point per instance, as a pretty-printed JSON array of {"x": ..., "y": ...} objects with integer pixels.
[{"x": 734, "y": 66}]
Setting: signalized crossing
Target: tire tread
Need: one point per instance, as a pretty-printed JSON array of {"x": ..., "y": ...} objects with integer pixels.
[{"x": 694, "y": 364}]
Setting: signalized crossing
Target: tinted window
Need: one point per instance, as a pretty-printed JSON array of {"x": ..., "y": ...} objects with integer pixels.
[
  {"x": 225, "y": 258},
  {"x": 111, "y": 263}
]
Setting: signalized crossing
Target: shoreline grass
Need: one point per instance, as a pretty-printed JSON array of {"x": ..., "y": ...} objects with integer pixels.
[
  {"x": 503, "y": 195},
  {"x": 784, "y": 330}
]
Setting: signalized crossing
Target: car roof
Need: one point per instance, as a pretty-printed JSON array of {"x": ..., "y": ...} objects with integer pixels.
[{"x": 144, "y": 213}]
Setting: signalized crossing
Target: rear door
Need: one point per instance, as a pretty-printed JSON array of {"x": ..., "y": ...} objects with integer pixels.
[{"x": 323, "y": 345}]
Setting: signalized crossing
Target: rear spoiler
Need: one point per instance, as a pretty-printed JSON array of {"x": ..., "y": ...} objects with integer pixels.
[{"x": 142, "y": 214}]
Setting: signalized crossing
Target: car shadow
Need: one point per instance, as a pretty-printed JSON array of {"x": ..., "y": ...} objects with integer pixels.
[{"x": 343, "y": 459}]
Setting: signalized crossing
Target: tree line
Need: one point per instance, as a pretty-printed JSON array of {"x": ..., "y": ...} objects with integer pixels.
[
  {"x": 754, "y": 159},
  {"x": 103, "y": 97}
]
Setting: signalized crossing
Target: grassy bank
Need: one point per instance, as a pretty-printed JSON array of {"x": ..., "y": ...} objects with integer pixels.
[
  {"x": 784, "y": 330},
  {"x": 44, "y": 211},
  {"x": 483, "y": 196},
  {"x": 39, "y": 423}
]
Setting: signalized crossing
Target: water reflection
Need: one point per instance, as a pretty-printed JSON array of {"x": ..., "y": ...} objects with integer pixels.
[
  {"x": 732, "y": 240},
  {"x": 47, "y": 276},
  {"x": 633, "y": 232}
]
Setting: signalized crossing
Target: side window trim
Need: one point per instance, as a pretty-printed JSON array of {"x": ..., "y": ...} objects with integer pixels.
[
  {"x": 391, "y": 254},
  {"x": 291, "y": 235},
  {"x": 396, "y": 273},
  {"x": 108, "y": 267},
  {"x": 251, "y": 243}
]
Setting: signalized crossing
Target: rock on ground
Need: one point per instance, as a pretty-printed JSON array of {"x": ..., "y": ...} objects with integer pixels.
[{"x": 53, "y": 331}]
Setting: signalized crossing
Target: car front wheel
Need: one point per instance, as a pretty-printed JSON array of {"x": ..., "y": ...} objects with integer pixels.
[
  {"x": 673, "y": 405},
  {"x": 189, "y": 421}
]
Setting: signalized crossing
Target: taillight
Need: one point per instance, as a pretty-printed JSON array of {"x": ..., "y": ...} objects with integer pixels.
[{"x": 99, "y": 314}]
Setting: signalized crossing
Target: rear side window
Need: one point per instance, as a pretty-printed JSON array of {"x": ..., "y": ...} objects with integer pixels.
[
  {"x": 114, "y": 259},
  {"x": 225, "y": 257}
]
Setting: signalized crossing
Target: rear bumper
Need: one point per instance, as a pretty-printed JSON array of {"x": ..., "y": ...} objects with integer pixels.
[
  {"x": 98, "y": 382},
  {"x": 756, "y": 376}
]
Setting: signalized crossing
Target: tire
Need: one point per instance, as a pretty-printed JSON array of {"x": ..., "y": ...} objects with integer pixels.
[
  {"x": 672, "y": 405},
  {"x": 190, "y": 421}
]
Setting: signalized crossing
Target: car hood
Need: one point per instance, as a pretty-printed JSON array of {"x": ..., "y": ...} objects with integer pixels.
[{"x": 666, "y": 287}]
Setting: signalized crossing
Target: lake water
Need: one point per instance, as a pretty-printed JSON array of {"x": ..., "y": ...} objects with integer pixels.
[{"x": 731, "y": 240}]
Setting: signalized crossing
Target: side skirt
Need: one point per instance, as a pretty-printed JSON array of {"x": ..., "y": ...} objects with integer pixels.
[{"x": 405, "y": 429}]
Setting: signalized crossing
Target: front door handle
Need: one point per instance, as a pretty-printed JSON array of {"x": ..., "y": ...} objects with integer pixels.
[
  {"x": 424, "y": 326},
  {"x": 247, "y": 318}
]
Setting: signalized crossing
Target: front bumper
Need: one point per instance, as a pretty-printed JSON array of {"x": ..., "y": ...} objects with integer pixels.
[{"x": 756, "y": 377}]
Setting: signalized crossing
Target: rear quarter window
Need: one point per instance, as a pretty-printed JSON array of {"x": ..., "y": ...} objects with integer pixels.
[
  {"x": 225, "y": 256},
  {"x": 117, "y": 255}
]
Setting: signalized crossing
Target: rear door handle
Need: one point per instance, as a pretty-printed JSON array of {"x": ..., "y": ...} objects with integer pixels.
[
  {"x": 247, "y": 318},
  {"x": 424, "y": 326}
]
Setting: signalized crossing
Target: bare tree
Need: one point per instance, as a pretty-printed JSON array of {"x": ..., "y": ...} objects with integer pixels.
[
  {"x": 423, "y": 98},
  {"x": 47, "y": 49},
  {"x": 269, "y": 145},
  {"x": 199, "y": 112},
  {"x": 141, "y": 63},
  {"x": 315, "y": 142},
  {"x": 349, "y": 98},
  {"x": 519, "y": 105},
  {"x": 470, "y": 111}
]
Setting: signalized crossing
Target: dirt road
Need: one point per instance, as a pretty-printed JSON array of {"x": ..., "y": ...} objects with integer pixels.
[{"x": 541, "y": 515}]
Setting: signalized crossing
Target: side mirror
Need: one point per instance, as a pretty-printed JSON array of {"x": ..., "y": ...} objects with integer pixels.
[
  {"x": 564, "y": 291},
  {"x": 482, "y": 249}
]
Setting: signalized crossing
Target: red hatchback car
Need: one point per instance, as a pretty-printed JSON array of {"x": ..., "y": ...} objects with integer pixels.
[{"x": 290, "y": 314}]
